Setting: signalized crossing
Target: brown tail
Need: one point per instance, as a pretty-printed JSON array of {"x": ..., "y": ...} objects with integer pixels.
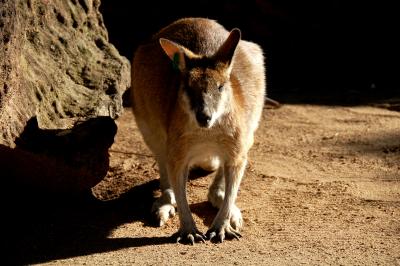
[{"x": 272, "y": 103}]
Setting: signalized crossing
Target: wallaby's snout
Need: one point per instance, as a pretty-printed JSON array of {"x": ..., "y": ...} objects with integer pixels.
[
  {"x": 207, "y": 105},
  {"x": 203, "y": 119}
]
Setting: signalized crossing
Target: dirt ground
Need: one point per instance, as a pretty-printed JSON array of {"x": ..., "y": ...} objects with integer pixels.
[{"x": 322, "y": 187}]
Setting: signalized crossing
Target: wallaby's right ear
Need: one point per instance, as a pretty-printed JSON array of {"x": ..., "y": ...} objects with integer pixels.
[
  {"x": 175, "y": 52},
  {"x": 227, "y": 50}
]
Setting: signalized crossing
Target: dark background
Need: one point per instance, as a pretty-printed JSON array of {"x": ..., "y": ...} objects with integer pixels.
[{"x": 326, "y": 51}]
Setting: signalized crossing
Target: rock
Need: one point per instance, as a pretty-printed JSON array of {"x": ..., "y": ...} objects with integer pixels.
[{"x": 61, "y": 86}]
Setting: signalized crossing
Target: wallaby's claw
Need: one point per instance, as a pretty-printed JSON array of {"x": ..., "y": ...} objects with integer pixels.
[
  {"x": 225, "y": 231},
  {"x": 190, "y": 237}
]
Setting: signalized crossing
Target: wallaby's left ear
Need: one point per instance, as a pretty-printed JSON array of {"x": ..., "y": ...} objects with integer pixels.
[
  {"x": 227, "y": 50},
  {"x": 175, "y": 52}
]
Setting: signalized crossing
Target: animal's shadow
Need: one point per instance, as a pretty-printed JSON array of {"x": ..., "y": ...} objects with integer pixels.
[{"x": 42, "y": 228}]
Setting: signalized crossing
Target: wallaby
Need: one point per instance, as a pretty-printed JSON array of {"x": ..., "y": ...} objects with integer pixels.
[{"x": 198, "y": 93}]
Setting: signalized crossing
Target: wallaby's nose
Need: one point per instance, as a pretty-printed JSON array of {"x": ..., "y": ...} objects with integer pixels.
[{"x": 203, "y": 119}]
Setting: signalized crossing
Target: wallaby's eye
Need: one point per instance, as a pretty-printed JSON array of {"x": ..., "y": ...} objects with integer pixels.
[{"x": 221, "y": 88}]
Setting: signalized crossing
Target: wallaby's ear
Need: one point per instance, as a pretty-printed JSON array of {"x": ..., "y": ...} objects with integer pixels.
[
  {"x": 175, "y": 52},
  {"x": 227, "y": 50}
]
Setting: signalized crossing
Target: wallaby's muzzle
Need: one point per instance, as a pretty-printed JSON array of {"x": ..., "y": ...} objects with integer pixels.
[{"x": 203, "y": 119}]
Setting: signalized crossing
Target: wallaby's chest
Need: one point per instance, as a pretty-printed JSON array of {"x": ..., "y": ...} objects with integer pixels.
[{"x": 199, "y": 147}]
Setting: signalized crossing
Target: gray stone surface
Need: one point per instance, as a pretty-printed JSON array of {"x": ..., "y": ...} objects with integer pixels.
[{"x": 61, "y": 86}]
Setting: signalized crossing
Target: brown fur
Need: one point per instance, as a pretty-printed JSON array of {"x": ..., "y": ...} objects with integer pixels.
[{"x": 207, "y": 59}]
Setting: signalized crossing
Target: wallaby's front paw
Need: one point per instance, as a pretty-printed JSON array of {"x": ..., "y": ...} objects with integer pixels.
[
  {"x": 236, "y": 218},
  {"x": 218, "y": 232},
  {"x": 163, "y": 213},
  {"x": 189, "y": 236},
  {"x": 163, "y": 208}
]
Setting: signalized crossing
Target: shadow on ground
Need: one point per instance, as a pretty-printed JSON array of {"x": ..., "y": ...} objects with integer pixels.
[{"x": 43, "y": 228}]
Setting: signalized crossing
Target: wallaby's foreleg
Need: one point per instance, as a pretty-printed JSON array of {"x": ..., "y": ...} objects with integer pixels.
[
  {"x": 188, "y": 231},
  {"x": 221, "y": 226},
  {"x": 216, "y": 195},
  {"x": 163, "y": 208}
]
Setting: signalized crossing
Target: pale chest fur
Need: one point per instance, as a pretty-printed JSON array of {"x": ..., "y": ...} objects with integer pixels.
[{"x": 206, "y": 148}]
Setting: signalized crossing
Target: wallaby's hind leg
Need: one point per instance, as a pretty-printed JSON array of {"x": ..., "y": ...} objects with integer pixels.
[
  {"x": 216, "y": 195},
  {"x": 164, "y": 207}
]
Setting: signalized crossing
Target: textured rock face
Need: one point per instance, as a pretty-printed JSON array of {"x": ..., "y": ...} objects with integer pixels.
[{"x": 61, "y": 86}]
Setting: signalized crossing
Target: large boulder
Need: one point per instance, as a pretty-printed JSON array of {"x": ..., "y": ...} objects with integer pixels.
[{"x": 61, "y": 86}]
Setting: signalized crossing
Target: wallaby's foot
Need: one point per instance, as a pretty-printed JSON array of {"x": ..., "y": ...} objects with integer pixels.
[
  {"x": 189, "y": 236},
  {"x": 163, "y": 208},
  {"x": 236, "y": 218},
  {"x": 221, "y": 230},
  {"x": 216, "y": 198}
]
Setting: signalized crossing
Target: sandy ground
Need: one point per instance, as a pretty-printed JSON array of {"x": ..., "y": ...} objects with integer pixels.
[{"x": 322, "y": 187}]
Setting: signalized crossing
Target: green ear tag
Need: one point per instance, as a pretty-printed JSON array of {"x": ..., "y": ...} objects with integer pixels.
[{"x": 175, "y": 61}]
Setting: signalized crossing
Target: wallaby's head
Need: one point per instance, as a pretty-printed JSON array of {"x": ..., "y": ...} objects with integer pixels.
[{"x": 206, "y": 89}]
